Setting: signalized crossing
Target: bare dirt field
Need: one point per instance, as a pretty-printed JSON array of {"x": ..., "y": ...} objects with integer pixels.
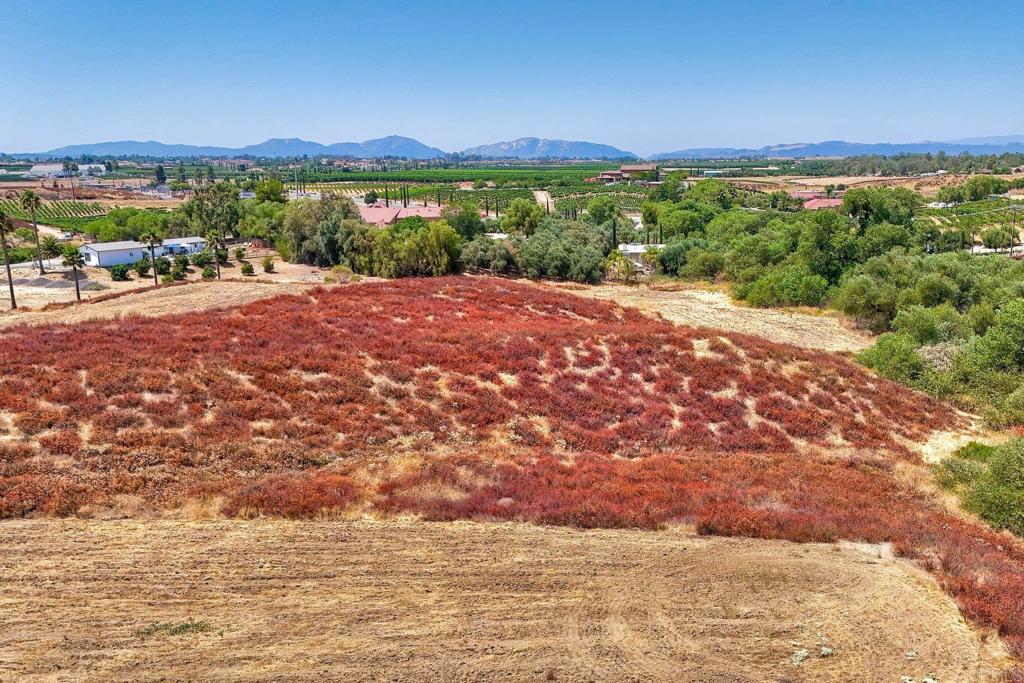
[
  {"x": 408, "y": 601},
  {"x": 169, "y": 300},
  {"x": 290, "y": 279},
  {"x": 703, "y": 307}
]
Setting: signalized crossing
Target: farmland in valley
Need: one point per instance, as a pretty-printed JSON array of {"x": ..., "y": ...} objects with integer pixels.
[{"x": 526, "y": 404}]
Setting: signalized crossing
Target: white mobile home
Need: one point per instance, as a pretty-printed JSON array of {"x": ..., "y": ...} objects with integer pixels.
[
  {"x": 183, "y": 245},
  {"x": 106, "y": 254}
]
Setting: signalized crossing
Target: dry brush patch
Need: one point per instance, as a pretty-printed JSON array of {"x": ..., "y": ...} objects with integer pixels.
[{"x": 478, "y": 398}]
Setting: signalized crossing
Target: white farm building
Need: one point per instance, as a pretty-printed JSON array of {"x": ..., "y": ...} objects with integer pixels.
[{"x": 106, "y": 254}]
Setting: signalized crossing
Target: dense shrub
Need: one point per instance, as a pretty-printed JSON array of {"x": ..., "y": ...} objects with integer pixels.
[
  {"x": 247, "y": 269},
  {"x": 563, "y": 250},
  {"x": 119, "y": 272},
  {"x": 484, "y": 253}
]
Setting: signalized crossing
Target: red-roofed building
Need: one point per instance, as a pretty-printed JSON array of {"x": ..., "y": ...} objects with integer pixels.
[
  {"x": 378, "y": 215},
  {"x": 387, "y": 215},
  {"x": 821, "y": 203}
]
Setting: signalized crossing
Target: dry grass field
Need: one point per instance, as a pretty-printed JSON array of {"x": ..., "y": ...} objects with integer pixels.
[
  {"x": 699, "y": 306},
  {"x": 412, "y": 601}
]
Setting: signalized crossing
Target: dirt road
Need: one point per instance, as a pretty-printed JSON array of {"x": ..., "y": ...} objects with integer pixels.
[
  {"x": 409, "y": 601},
  {"x": 709, "y": 308}
]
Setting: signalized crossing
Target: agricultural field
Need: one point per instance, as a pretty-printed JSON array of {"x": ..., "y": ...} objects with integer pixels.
[
  {"x": 52, "y": 213},
  {"x": 430, "y": 193},
  {"x": 526, "y": 176}
]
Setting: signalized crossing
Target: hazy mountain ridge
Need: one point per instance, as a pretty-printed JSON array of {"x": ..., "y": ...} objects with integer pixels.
[
  {"x": 842, "y": 148},
  {"x": 392, "y": 145},
  {"x": 527, "y": 148},
  {"x": 540, "y": 148}
]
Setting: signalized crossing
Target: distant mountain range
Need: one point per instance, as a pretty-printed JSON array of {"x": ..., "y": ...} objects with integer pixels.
[
  {"x": 841, "y": 148},
  {"x": 393, "y": 146},
  {"x": 527, "y": 148},
  {"x": 538, "y": 148}
]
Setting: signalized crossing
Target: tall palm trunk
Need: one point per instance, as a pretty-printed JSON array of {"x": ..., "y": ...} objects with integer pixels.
[
  {"x": 7, "y": 263},
  {"x": 78, "y": 292},
  {"x": 152, "y": 257},
  {"x": 39, "y": 250}
]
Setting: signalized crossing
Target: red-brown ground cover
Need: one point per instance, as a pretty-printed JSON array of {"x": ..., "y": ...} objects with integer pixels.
[{"x": 481, "y": 398}]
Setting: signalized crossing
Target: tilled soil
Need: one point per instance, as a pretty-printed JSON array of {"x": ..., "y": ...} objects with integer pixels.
[{"x": 335, "y": 600}]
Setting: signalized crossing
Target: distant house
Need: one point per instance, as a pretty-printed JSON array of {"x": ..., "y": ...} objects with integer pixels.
[
  {"x": 106, "y": 254},
  {"x": 635, "y": 252},
  {"x": 822, "y": 203},
  {"x": 625, "y": 172},
  {"x": 381, "y": 216},
  {"x": 183, "y": 245},
  {"x": 632, "y": 170}
]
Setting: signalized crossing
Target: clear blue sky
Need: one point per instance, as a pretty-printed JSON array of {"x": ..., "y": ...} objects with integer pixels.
[{"x": 644, "y": 76}]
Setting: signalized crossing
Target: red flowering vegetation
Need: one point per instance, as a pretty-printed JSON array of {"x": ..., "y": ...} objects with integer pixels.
[
  {"x": 292, "y": 495},
  {"x": 375, "y": 369},
  {"x": 64, "y": 442}
]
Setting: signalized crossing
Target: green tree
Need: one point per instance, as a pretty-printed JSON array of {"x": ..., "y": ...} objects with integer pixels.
[
  {"x": 161, "y": 174},
  {"x": 74, "y": 260},
  {"x": 370, "y": 198},
  {"x": 31, "y": 203},
  {"x": 215, "y": 211},
  {"x": 270, "y": 190},
  {"x": 602, "y": 209},
  {"x": 522, "y": 216},
  {"x": 50, "y": 247},
  {"x": 464, "y": 219}
]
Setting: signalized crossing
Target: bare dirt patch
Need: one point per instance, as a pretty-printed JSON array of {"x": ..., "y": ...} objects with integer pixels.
[
  {"x": 406, "y": 601},
  {"x": 702, "y": 307}
]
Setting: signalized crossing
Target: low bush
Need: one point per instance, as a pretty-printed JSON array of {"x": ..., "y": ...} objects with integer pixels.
[
  {"x": 119, "y": 273},
  {"x": 247, "y": 269}
]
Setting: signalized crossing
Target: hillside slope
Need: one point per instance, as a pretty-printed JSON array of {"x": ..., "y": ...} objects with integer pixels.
[{"x": 476, "y": 398}]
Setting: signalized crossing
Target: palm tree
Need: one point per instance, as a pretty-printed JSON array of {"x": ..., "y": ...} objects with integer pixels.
[
  {"x": 5, "y": 225},
  {"x": 152, "y": 238},
  {"x": 73, "y": 259},
  {"x": 216, "y": 244},
  {"x": 31, "y": 202},
  {"x": 51, "y": 248}
]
